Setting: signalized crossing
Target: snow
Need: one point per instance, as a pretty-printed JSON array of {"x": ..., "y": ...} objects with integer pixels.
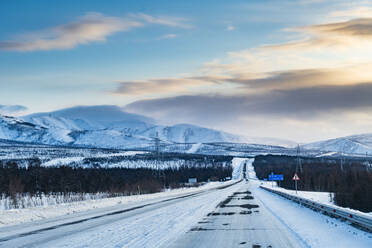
[
  {"x": 325, "y": 198},
  {"x": 105, "y": 127},
  {"x": 155, "y": 227},
  {"x": 250, "y": 170},
  {"x": 165, "y": 222},
  {"x": 355, "y": 144},
  {"x": 16, "y": 216},
  {"x": 78, "y": 160},
  {"x": 194, "y": 148},
  {"x": 315, "y": 229},
  {"x": 237, "y": 164},
  {"x": 321, "y": 197},
  {"x": 328, "y": 154},
  {"x": 111, "y": 127}
]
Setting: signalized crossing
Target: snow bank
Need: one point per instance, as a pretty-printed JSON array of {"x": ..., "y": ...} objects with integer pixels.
[
  {"x": 321, "y": 197},
  {"x": 17, "y": 216},
  {"x": 315, "y": 229}
]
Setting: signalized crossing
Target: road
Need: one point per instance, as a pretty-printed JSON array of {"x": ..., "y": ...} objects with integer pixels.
[
  {"x": 238, "y": 221},
  {"x": 224, "y": 217}
]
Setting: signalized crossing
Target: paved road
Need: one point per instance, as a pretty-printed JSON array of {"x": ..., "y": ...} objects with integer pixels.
[
  {"x": 238, "y": 221},
  {"x": 225, "y": 217},
  {"x": 137, "y": 225}
]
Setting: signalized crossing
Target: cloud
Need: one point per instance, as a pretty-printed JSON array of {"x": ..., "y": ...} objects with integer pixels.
[
  {"x": 12, "y": 109},
  {"x": 230, "y": 28},
  {"x": 92, "y": 27},
  {"x": 304, "y": 78},
  {"x": 168, "y": 36},
  {"x": 163, "y": 86},
  {"x": 239, "y": 81},
  {"x": 165, "y": 20},
  {"x": 361, "y": 27},
  {"x": 358, "y": 12},
  {"x": 307, "y": 103},
  {"x": 337, "y": 34}
]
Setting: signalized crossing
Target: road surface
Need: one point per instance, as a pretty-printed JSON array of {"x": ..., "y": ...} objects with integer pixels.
[
  {"x": 238, "y": 221},
  {"x": 229, "y": 216}
]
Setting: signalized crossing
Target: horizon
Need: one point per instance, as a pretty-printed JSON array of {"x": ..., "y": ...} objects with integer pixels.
[{"x": 300, "y": 73}]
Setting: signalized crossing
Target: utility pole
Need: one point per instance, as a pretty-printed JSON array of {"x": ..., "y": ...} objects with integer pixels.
[
  {"x": 299, "y": 165},
  {"x": 368, "y": 163},
  {"x": 157, "y": 144},
  {"x": 159, "y": 171}
]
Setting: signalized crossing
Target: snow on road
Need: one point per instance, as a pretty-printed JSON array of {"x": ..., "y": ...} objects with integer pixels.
[
  {"x": 17, "y": 216},
  {"x": 150, "y": 226},
  {"x": 238, "y": 164},
  {"x": 241, "y": 221},
  {"x": 251, "y": 174}
]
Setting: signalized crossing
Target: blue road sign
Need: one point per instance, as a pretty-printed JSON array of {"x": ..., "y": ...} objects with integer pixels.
[{"x": 273, "y": 177}]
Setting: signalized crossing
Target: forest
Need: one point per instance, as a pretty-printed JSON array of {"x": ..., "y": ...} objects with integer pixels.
[
  {"x": 350, "y": 179},
  {"x": 35, "y": 179}
]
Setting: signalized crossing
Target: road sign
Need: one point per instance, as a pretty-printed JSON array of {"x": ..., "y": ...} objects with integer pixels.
[
  {"x": 295, "y": 177},
  {"x": 273, "y": 177}
]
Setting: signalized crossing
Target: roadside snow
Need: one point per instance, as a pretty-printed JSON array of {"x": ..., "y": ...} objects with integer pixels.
[
  {"x": 17, "y": 216},
  {"x": 322, "y": 197},
  {"x": 317, "y": 230}
]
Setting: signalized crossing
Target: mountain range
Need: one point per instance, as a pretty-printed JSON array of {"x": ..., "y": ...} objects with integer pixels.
[
  {"x": 108, "y": 126},
  {"x": 102, "y": 126}
]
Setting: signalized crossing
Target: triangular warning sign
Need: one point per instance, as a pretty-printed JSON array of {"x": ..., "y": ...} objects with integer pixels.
[{"x": 295, "y": 177}]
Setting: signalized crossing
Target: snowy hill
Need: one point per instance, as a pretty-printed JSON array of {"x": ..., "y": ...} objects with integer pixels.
[
  {"x": 355, "y": 144},
  {"x": 15, "y": 129},
  {"x": 102, "y": 126}
]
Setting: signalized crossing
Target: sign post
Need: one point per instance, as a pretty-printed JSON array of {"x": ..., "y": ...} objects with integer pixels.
[
  {"x": 273, "y": 177},
  {"x": 296, "y": 178}
]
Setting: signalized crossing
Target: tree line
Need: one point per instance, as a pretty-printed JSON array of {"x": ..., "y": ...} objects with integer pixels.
[
  {"x": 350, "y": 180},
  {"x": 35, "y": 179}
]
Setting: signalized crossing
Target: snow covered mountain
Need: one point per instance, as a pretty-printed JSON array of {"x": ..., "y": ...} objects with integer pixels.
[
  {"x": 15, "y": 129},
  {"x": 355, "y": 144},
  {"x": 102, "y": 126}
]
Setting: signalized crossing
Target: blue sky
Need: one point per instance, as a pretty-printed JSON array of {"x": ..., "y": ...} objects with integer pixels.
[{"x": 140, "y": 54}]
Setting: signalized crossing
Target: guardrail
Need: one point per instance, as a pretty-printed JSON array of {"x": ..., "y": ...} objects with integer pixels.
[{"x": 360, "y": 220}]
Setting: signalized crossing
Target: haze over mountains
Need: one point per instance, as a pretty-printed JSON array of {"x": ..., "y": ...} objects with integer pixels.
[{"x": 109, "y": 126}]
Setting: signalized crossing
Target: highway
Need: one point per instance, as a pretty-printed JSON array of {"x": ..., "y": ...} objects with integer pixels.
[
  {"x": 230, "y": 216},
  {"x": 239, "y": 221}
]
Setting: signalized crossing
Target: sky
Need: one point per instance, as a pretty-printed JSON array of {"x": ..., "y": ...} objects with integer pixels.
[{"x": 297, "y": 70}]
